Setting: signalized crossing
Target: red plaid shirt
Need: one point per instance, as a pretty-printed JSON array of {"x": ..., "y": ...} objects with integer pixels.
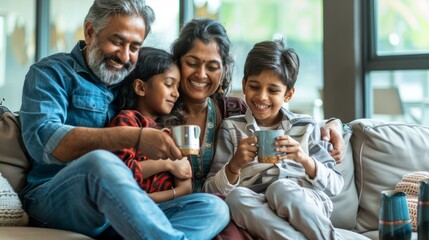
[{"x": 131, "y": 157}]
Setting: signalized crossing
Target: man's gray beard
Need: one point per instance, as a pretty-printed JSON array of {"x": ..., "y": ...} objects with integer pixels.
[{"x": 97, "y": 63}]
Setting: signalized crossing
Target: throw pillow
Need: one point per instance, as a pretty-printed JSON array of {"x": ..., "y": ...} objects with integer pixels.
[
  {"x": 11, "y": 212},
  {"x": 14, "y": 159},
  {"x": 410, "y": 185}
]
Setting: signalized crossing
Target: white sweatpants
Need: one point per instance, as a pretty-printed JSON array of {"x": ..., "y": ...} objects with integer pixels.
[{"x": 285, "y": 211}]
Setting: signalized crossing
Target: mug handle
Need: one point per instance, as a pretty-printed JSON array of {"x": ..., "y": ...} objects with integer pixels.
[
  {"x": 166, "y": 130},
  {"x": 197, "y": 131}
]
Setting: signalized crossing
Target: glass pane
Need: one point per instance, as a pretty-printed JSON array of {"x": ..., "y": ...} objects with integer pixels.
[
  {"x": 166, "y": 26},
  {"x": 400, "y": 96},
  {"x": 67, "y": 19},
  {"x": 17, "y": 48},
  {"x": 298, "y": 22},
  {"x": 402, "y": 27}
]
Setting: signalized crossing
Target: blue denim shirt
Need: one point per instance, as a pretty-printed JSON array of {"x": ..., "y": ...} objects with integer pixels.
[{"x": 60, "y": 92}]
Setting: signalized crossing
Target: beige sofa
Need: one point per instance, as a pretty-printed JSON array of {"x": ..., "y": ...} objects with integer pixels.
[
  {"x": 378, "y": 155},
  {"x": 13, "y": 166}
]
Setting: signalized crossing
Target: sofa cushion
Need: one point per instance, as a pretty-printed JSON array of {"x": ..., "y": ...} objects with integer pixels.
[
  {"x": 13, "y": 157},
  {"x": 346, "y": 203},
  {"x": 384, "y": 152}
]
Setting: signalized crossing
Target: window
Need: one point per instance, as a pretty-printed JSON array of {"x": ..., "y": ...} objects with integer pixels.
[
  {"x": 2, "y": 49},
  {"x": 297, "y": 22},
  {"x": 402, "y": 27},
  {"x": 66, "y": 24},
  {"x": 17, "y": 48},
  {"x": 400, "y": 95},
  {"x": 166, "y": 26},
  {"x": 67, "y": 19},
  {"x": 397, "y": 58},
  {"x": 65, "y": 28}
]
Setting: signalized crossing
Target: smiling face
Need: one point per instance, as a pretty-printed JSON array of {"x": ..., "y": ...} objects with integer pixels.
[
  {"x": 265, "y": 94},
  {"x": 158, "y": 95},
  {"x": 201, "y": 69},
  {"x": 112, "y": 53}
]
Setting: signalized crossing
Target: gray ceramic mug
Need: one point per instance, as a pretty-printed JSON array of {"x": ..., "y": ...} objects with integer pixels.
[
  {"x": 187, "y": 138},
  {"x": 266, "y": 149}
]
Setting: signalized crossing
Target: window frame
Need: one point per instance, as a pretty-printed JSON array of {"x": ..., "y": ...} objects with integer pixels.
[
  {"x": 389, "y": 62},
  {"x": 374, "y": 62}
]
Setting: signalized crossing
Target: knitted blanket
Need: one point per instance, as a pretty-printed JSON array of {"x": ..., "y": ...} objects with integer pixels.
[
  {"x": 11, "y": 212},
  {"x": 410, "y": 185}
]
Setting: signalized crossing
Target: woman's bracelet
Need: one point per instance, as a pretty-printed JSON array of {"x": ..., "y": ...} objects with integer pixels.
[
  {"x": 174, "y": 192},
  {"x": 229, "y": 169}
]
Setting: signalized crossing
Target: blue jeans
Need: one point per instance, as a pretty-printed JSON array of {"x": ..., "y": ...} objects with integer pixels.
[{"x": 98, "y": 190}]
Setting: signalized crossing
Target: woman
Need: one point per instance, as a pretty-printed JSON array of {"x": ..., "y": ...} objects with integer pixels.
[{"x": 203, "y": 53}]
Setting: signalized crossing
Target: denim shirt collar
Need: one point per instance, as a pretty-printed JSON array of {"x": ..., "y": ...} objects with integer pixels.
[{"x": 77, "y": 54}]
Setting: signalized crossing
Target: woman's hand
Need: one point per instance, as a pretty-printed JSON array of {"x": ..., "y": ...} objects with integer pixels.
[{"x": 332, "y": 132}]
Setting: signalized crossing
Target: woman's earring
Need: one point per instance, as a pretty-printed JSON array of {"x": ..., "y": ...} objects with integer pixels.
[{"x": 220, "y": 90}]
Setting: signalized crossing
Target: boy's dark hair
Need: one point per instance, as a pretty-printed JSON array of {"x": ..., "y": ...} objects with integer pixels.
[
  {"x": 274, "y": 56},
  {"x": 151, "y": 61}
]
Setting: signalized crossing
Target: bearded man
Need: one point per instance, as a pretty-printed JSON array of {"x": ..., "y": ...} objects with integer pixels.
[{"x": 75, "y": 182}]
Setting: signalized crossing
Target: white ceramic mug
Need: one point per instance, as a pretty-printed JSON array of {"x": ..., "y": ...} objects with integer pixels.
[{"x": 187, "y": 138}]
